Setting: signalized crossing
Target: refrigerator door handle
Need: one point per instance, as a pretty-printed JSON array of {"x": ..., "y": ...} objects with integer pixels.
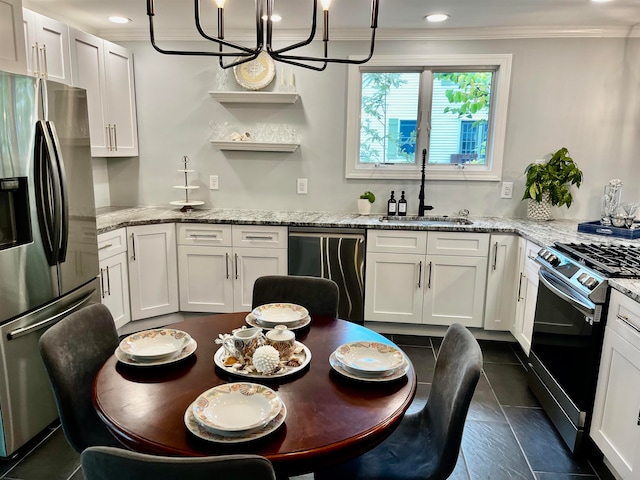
[
  {"x": 47, "y": 188},
  {"x": 63, "y": 211},
  {"x": 20, "y": 332}
]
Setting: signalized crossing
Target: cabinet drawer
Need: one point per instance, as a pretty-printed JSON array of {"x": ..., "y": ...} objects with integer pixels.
[
  {"x": 458, "y": 243},
  {"x": 204, "y": 234},
  {"x": 397, "y": 241},
  {"x": 624, "y": 317},
  {"x": 263, "y": 236},
  {"x": 112, "y": 243}
]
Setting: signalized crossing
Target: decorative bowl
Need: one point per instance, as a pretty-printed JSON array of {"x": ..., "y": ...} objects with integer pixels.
[
  {"x": 151, "y": 345},
  {"x": 370, "y": 358}
]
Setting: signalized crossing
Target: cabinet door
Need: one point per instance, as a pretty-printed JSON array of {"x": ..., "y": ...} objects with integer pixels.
[
  {"x": 454, "y": 290},
  {"x": 153, "y": 271},
  {"x": 502, "y": 283},
  {"x": 87, "y": 63},
  {"x": 616, "y": 411},
  {"x": 394, "y": 287},
  {"x": 121, "y": 97},
  {"x": 114, "y": 286},
  {"x": 47, "y": 47},
  {"x": 248, "y": 265},
  {"x": 12, "y": 48},
  {"x": 205, "y": 276}
]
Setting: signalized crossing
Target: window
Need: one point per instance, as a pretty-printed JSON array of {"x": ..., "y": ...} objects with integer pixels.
[{"x": 451, "y": 108}]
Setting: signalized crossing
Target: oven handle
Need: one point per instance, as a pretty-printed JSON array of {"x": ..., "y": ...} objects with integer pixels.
[{"x": 546, "y": 279}]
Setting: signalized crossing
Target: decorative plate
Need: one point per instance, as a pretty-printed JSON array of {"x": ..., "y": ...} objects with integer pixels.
[
  {"x": 369, "y": 357},
  {"x": 273, "y": 314},
  {"x": 189, "y": 348},
  {"x": 236, "y": 408},
  {"x": 256, "y": 74},
  {"x": 199, "y": 431},
  {"x": 302, "y": 357},
  {"x": 394, "y": 375},
  {"x": 151, "y": 345},
  {"x": 253, "y": 321}
]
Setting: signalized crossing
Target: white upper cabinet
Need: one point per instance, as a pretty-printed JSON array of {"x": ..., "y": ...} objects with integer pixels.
[
  {"x": 105, "y": 70},
  {"x": 12, "y": 50},
  {"x": 47, "y": 47}
]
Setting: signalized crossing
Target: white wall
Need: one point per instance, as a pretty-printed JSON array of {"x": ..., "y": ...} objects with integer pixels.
[{"x": 577, "y": 93}]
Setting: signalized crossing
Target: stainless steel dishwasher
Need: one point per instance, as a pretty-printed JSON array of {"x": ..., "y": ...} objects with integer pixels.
[{"x": 336, "y": 254}]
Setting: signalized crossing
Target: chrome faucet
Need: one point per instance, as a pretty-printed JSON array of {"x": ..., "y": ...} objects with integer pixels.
[{"x": 421, "y": 206}]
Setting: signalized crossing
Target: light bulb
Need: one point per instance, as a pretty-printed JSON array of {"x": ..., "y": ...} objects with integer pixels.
[
  {"x": 220, "y": 3},
  {"x": 325, "y": 4}
]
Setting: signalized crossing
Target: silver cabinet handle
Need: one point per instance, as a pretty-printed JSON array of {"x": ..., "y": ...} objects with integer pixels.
[
  {"x": 626, "y": 320},
  {"x": 35, "y": 60},
  {"x": 226, "y": 263},
  {"x": 420, "y": 274},
  {"x": 108, "y": 282},
  {"x": 259, "y": 237},
  {"x": 115, "y": 137},
  {"x": 133, "y": 247},
  {"x": 236, "y": 265},
  {"x": 109, "y": 245},
  {"x": 520, "y": 287},
  {"x": 429, "y": 282},
  {"x": 495, "y": 256},
  {"x": 44, "y": 61},
  {"x": 102, "y": 283},
  {"x": 203, "y": 235},
  {"x": 108, "y": 128}
]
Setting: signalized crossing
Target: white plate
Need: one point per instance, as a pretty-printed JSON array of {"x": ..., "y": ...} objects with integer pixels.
[
  {"x": 395, "y": 374},
  {"x": 234, "y": 408},
  {"x": 370, "y": 357},
  {"x": 188, "y": 349},
  {"x": 253, "y": 321},
  {"x": 199, "y": 431},
  {"x": 273, "y": 314},
  {"x": 304, "y": 357},
  {"x": 156, "y": 344},
  {"x": 256, "y": 74}
]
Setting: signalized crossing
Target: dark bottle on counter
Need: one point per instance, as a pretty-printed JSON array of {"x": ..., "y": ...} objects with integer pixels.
[
  {"x": 402, "y": 206},
  {"x": 392, "y": 206}
]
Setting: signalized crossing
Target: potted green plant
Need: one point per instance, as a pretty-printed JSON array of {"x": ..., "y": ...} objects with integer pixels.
[
  {"x": 549, "y": 183},
  {"x": 365, "y": 201}
]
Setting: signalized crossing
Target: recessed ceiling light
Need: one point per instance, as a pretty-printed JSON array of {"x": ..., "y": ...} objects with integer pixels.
[
  {"x": 117, "y": 19},
  {"x": 274, "y": 18},
  {"x": 601, "y": 1},
  {"x": 436, "y": 17}
]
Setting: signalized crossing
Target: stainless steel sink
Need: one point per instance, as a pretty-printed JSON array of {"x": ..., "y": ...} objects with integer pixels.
[{"x": 428, "y": 220}]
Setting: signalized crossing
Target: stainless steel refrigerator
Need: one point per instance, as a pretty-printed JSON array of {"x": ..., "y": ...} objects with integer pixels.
[{"x": 48, "y": 247}]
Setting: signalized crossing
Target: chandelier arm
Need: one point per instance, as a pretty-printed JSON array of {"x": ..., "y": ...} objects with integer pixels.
[
  {"x": 237, "y": 61},
  {"x": 303, "y": 43}
]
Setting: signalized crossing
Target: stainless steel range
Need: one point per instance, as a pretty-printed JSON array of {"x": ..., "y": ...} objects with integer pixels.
[{"x": 571, "y": 307}]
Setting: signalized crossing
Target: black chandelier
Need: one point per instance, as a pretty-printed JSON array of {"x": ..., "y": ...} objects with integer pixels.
[{"x": 264, "y": 36}]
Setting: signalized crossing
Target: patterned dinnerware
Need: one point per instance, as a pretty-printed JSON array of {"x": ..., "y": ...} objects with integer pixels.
[
  {"x": 273, "y": 314},
  {"x": 369, "y": 358},
  {"x": 152, "y": 345}
]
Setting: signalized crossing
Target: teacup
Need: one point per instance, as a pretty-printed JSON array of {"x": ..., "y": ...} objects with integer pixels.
[
  {"x": 243, "y": 342},
  {"x": 282, "y": 339}
]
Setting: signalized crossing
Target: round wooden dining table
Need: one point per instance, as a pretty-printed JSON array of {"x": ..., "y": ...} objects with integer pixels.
[{"x": 330, "y": 418}]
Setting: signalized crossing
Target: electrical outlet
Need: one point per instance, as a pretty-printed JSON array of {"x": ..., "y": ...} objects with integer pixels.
[
  {"x": 302, "y": 186},
  {"x": 507, "y": 190},
  {"x": 213, "y": 182}
]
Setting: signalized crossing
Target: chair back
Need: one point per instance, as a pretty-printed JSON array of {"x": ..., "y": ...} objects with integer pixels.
[
  {"x": 73, "y": 350},
  {"x": 457, "y": 371},
  {"x": 108, "y": 463},
  {"x": 318, "y": 295}
]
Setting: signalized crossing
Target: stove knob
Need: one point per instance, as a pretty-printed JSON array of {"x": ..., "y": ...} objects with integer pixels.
[
  {"x": 582, "y": 278},
  {"x": 553, "y": 260},
  {"x": 590, "y": 283}
]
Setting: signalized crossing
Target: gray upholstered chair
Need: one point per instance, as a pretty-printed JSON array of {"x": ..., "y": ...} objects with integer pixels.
[
  {"x": 318, "y": 295},
  {"x": 73, "y": 351},
  {"x": 108, "y": 463},
  {"x": 426, "y": 444}
]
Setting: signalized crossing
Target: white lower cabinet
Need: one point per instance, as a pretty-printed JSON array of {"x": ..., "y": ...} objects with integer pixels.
[
  {"x": 527, "y": 293},
  {"x": 153, "y": 272},
  {"x": 114, "y": 275},
  {"x": 218, "y": 264},
  {"x": 615, "y": 427},
  {"x": 434, "y": 278},
  {"x": 502, "y": 276}
]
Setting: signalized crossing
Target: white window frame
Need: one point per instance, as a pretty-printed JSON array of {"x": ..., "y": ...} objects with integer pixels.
[{"x": 492, "y": 171}]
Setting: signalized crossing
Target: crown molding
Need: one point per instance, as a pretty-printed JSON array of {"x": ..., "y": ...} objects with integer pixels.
[{"x": 493, "y": 33}]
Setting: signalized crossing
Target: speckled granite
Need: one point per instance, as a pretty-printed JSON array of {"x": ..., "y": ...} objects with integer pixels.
[{"x": 541, "y": 233}]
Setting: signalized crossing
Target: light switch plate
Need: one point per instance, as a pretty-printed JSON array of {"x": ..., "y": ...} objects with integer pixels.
[
  {"x": 213, "y": 182},
  {"x": 302, "y": 186},
  {"x": 507, "y": 190}
]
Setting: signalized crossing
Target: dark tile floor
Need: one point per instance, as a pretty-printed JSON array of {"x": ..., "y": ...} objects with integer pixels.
[{"x": 507, "y": 434}]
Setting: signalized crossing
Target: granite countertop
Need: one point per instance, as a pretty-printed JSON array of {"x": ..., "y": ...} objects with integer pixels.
[{"x": 541, "y": 233}]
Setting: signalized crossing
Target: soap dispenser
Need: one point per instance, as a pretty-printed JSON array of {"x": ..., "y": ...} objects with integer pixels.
[{"x": 392, "y": 205}]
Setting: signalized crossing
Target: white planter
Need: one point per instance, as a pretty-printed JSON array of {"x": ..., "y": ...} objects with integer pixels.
[
  {"x": 364, "y": 206},
  {"x": 540, "y": 211}
]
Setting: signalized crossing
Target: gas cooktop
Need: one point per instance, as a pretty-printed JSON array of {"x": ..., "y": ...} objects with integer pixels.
[{"x": 612, "y": 261}]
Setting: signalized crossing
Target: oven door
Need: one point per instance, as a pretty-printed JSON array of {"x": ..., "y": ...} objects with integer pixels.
[{"x": 565, "y": 352}]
